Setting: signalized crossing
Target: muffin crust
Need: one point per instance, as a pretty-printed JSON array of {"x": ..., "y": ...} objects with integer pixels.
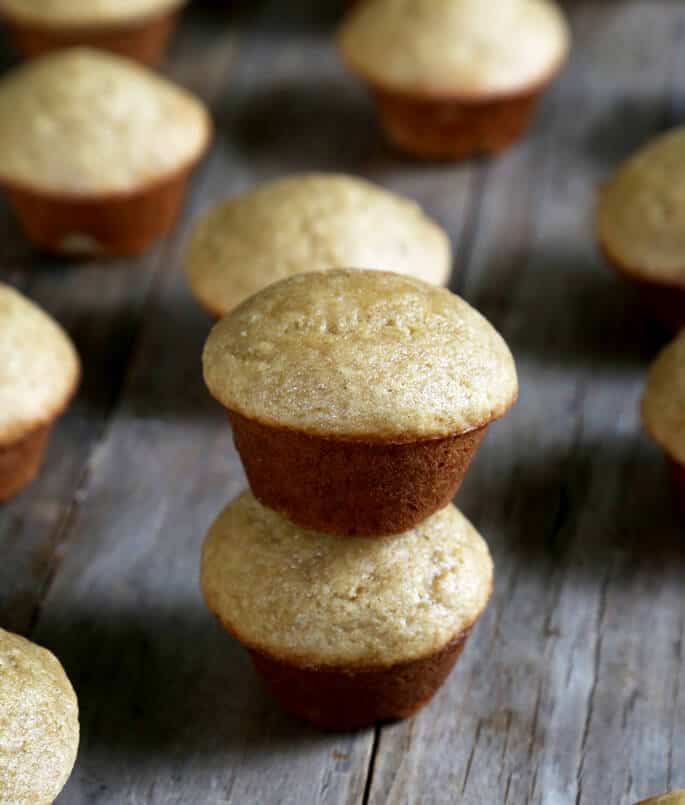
[
  {"x": 641, "y": 212},
  {"x": 360, "y": 355},
  {"x": 452, "y": 48},
  {"x": 312, "y": 598},
  {"x": 81, "y": 122},
  {"x": 320, "y": 221},
  {"x": 86, "y": 13},
  {"x": 663, "y": 403},
  {"x": 39, "y": 367},
  {"x": 39, "y": 730}
]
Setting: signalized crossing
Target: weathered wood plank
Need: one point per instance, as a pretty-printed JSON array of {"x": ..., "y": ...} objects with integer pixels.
[{"x": 569, "y": 692}]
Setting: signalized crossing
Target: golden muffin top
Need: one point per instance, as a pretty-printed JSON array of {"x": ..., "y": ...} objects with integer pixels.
[
  {"x": 360, "y": 354},
  {"x": 641, "y": 212},
  {"x": 86, "y": 13},
  {"x": 663, "y": 403},
  {"x": 455, "y": 47},
  {"x": 308, "y": 597},
  {"x": 39, "y": 367},
  {"x": 39, "y": 729},
  {"x": 82, "y": 122},
  {"x": 319, "y": 221},
  {"x": 672, "y": 798}
]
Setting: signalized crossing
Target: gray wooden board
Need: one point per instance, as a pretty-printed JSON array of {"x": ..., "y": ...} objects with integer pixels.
[{"x": 571, "y": 689}]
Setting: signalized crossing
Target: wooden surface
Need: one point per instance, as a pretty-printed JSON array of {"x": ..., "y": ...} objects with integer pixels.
[{"x": 572, "y": 688}]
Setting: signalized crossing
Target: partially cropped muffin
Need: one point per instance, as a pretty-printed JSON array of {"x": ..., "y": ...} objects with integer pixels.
[
  {"x": 39, "y": 372},
  {"x": 672, "y": 798},
  {"x": 641, "y": 224},
  {"x": 137, "y": 29},
  {"x": 663, "y": 408},
  {"x": 358, "y": 398},
  {"x": 39, "y": 729},
  {"x": 451, "y": 79},
  {"x": 96, "y": 152},
  {"x": 346, "y": 632},
  {"x": 318, "y": 220}
]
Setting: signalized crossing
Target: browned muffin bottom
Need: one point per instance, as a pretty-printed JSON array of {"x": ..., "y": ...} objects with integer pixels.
[
  {"x": 20, "y": 461},
  {"x": 664, "y": 299},
  {"x": 114, "y": 225},
  {"x": 444, "y": 128},
  {"x": 144, "y": 41},
  {"x": 352, "y": 487},
  {"x": 341, "y": 699},
  {"x": 346, "y": 632}
]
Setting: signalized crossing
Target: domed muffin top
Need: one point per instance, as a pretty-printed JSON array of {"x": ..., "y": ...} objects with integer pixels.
[
  {"x": 84, "y": 13},
  {"x": 319, "y": 221},
  {"x": 39, "y": 367},
  {"x": 641, "y": 212},
  {"x": 312, "y": 598},
  {"x": 39, "y": 729},
  {"x": 80, "y": 122},
  {"x": 455, "y": 48},
  {"x": 365, "y": 355}
]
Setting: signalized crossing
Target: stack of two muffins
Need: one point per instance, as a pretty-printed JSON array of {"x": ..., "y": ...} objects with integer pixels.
[{"x": 357, "y": 400}]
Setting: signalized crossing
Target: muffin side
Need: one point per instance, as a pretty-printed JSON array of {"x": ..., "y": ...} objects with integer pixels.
[{"x": 449, "y": 81}]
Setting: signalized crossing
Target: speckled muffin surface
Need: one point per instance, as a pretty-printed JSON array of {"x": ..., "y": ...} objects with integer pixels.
[
  {"x": 307, "y": 597},
  {"x": 362, "y": 355},
  {"x": 663, "y": 403},
  {"x": 76, "y": 13},
  {"x": 39, "y": 367},
  {"x": 320, "y": 221},
  {"x": 453, "y": 48},
  {"x": 641, "y": 212},
  {"x": 39, "y": 729},
  {"x": 86, "y": 123}
]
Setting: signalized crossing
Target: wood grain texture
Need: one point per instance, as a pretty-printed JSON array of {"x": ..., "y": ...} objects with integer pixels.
[{"x": 571, "y": 690}]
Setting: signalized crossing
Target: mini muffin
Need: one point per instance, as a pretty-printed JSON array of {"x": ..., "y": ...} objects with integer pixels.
[
  {"x": 321, "y": 220},
  {"x": 641, "y": 224},
  {"x": 96, "y": 152},
  {"x": 346, "y": 632},
  {"x": 450, "y": 80},
  {"x": 663, "y": 408},
  {"x": 672, "y": 798},
  {"x": 357, "y": 398},
  {"x": 39, "y": 729},
  {"x": 138, "y": 29},
  {"x": 39, "y": 372}
]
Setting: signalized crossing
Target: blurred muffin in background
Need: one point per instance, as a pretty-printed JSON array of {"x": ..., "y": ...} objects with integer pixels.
[
  {"x": 96, "y": 151},
  {"x": 138, "y": 29},
  {"x": 641, "y": 224},
  {"x": 312, "y": 222},
  {"x": 451, "y": 78},
  {"x": 39, "y": 372},
  {"x": 672, "y": 798},
  {"x": 39, "y": 720},
  {"x": 663, "y": 409}
]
